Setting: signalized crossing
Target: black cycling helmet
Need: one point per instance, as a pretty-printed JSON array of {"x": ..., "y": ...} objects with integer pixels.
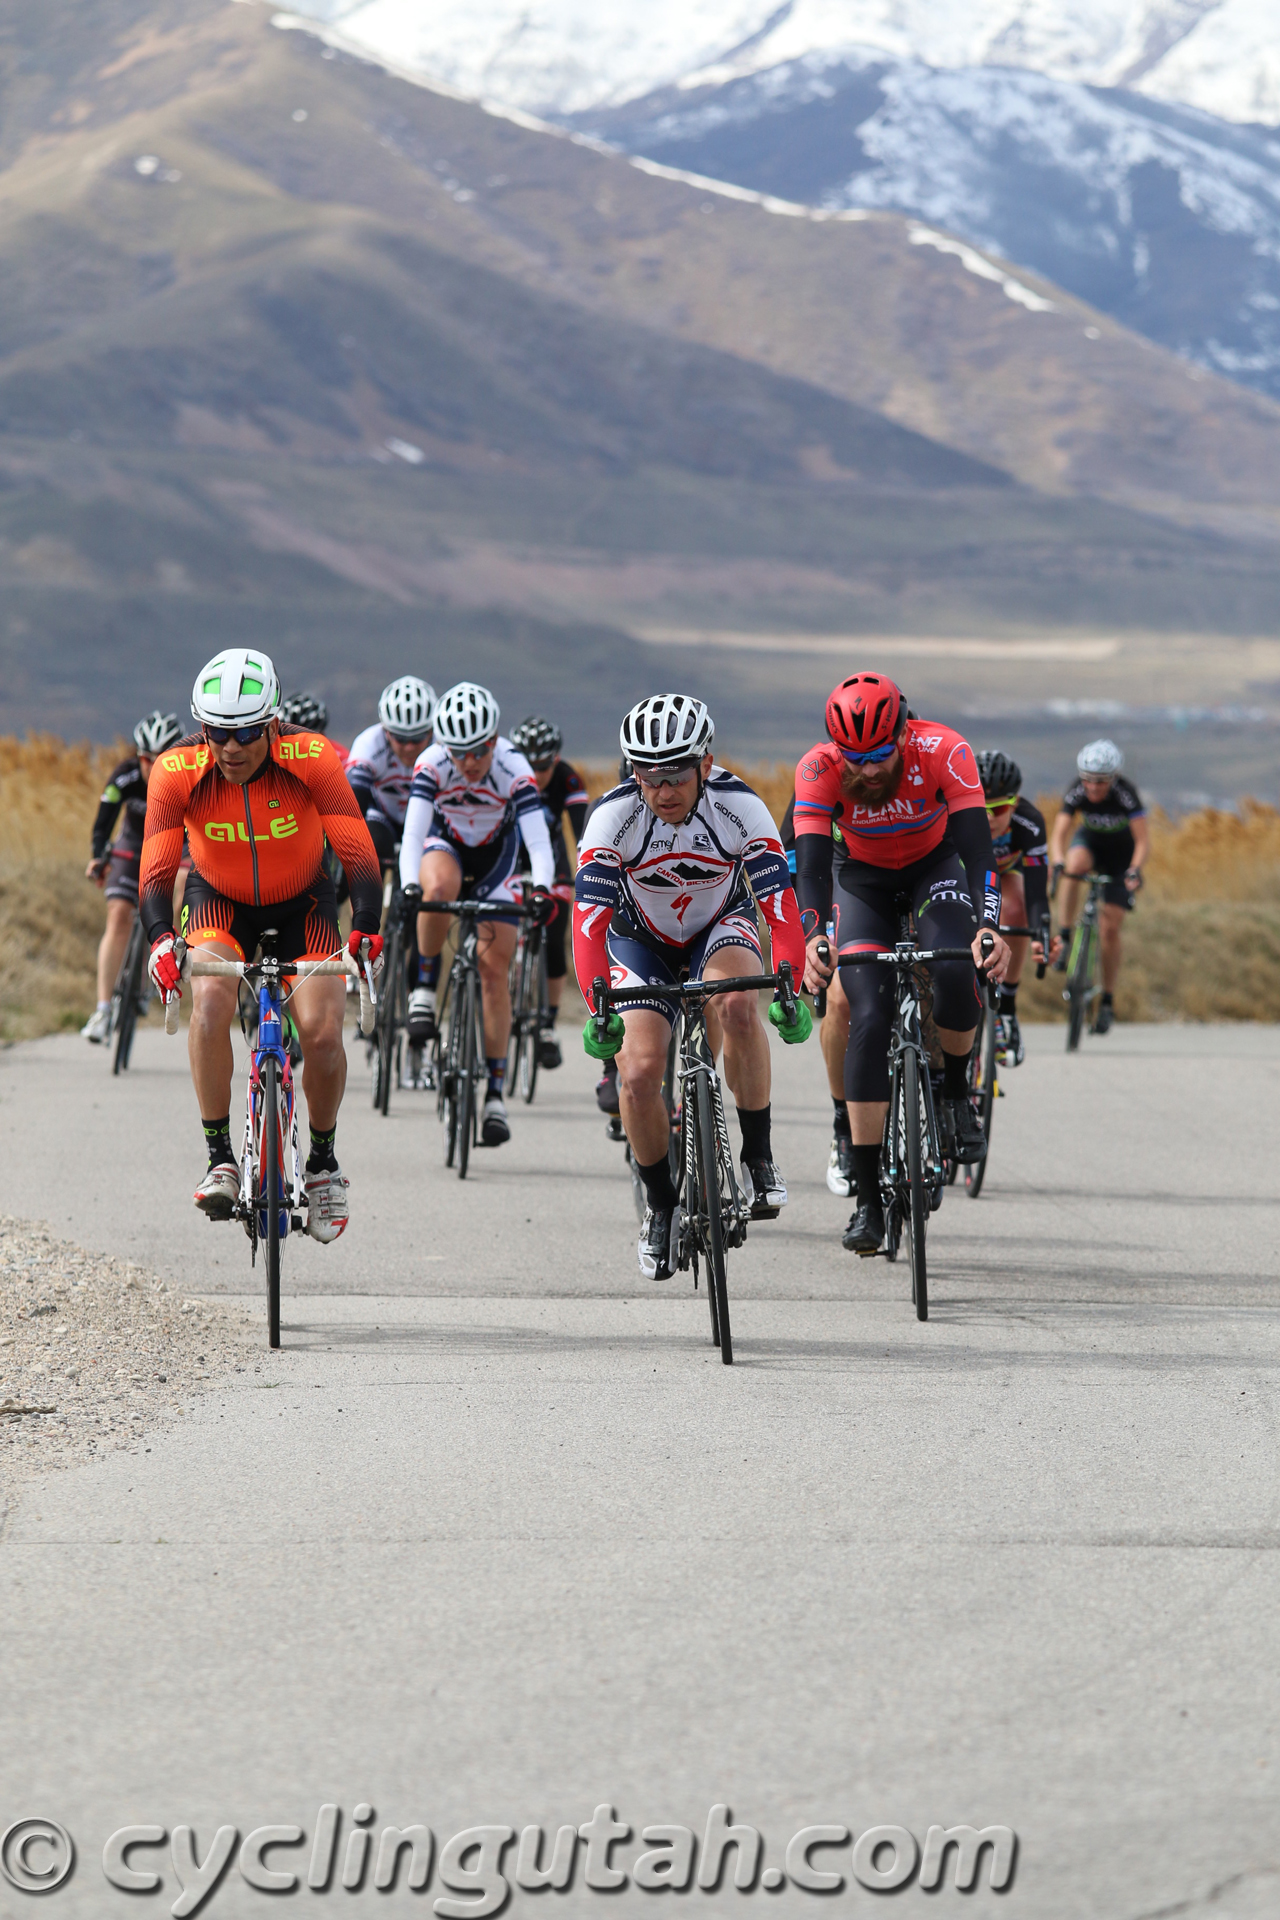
[
  {"x": 156, "y": 732},
  {"x": 1001, "y": 777},
  {"x": 306, "y": 710},
  {"x": 537, "y": 739}
]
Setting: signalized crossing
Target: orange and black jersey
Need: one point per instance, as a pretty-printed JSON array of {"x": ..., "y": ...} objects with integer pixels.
[{"x": 261, "y": 843}]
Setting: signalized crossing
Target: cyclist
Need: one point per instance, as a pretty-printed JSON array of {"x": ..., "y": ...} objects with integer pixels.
[
  {"x": 257, "y": 801},
  {"x": 1022, "y": 861},
  {"x": 309, "y": 711},
  {"x": 563, "y": 791},
  {"x": 667, "y": 868},
  {"x": 833, "y": 1038},
  {"x": 472, "y": 802},
  {"x": 380, "y": 769},
  {"x": 1112, "y": 839},
  {"x": 906, "y": 798},
  {"x": 115, "y": 868}
]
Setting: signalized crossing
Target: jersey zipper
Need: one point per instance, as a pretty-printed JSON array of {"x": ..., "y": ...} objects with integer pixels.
[{"x": 253, "y": 845}]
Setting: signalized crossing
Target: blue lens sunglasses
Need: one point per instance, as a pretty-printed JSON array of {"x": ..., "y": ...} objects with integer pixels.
[
  {"x": 869, "y": 759},
  {"x": 243, "y": 736}
]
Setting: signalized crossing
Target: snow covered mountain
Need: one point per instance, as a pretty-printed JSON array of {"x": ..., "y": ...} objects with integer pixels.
[
  {"x": 1167, "y": 218},
  {"x": 566, "y": 56}
]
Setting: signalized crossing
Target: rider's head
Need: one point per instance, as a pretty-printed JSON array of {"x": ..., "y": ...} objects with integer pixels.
[
  {"x": 540, "y": 742},
  {"x": 667, "y": 740},
  {"x": 867, "y": 721},
  {"x": 306, "y": 710},
  {"x": 1098, "y": 764},
  {"x": 1001, "y": 780},
  {"x": 406, "y": 709},
  {"x": 236, "y": 699},
  {"x": 466, "y": 722},
  {"x": 152, "y": 735}
]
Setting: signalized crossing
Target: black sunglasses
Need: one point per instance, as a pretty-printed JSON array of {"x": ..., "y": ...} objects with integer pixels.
[{"x": 243, "y": 736}]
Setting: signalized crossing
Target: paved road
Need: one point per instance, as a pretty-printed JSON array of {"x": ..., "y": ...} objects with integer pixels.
[{"x": 496, "y": 1539}]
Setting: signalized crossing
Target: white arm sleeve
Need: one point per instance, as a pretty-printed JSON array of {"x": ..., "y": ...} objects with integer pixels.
[
  {"x": 536, "y": 836},
  {"x": 419, "y": 815}
]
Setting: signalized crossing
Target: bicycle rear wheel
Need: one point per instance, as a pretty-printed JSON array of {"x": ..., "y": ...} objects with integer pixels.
[
  {"x": 711, "y": 1209},
  {"x": 535, "y": 1000},
  {"x": 447, "y": 1097},
  {"x": 987, "y": 1091},
  {"x": 124, "y": 1000},
  {"x": 388, "y": 1008},
  {"x": 269, "y": 1191},
  {"x": 918, "y": 1204},
  {"x": 465, "y": 1090}
]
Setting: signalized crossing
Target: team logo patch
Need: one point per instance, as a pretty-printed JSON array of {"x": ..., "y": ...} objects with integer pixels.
[
  {"x": 929, "y": 741},
  {"x": 813, "y": 769},
  {"x": 961, "y": 767}
]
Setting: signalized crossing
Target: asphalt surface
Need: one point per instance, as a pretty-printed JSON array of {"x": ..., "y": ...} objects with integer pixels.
[{"x": 495, "y": 1539}]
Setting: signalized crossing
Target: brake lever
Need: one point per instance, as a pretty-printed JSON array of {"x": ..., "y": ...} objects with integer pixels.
[{"x": 823, "y": 951}]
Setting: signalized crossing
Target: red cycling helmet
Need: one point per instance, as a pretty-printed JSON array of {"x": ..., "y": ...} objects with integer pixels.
[{"x": 865, "y": 711}]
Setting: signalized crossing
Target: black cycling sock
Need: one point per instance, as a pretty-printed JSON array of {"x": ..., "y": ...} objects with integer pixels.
[
  {"x": 217, "y": 1137},
  {"x": 842, "y": 1117},
  {"x": 1008, "y": 999},
  {"x": 658, "y": 1184},
  {"x": 549, "y": 1018},
  {"x": 866, "y": 1173},
  {"x": 955, "y": 1075},
  {"x": 1106, "y": 999},
  {"x": 497, "y": 1075},
  {"x": 754, "y": 1122},
  {"x": 322, "y": 1158}
]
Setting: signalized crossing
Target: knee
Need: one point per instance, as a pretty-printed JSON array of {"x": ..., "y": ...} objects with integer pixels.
[
  {"x": 640, "y": 1073},
  {"x": 955, "y": 995},
  {"x": 738, "y": 1014}
]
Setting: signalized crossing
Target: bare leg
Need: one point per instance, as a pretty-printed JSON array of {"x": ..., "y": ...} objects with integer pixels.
[
  {"x": 111, "y": 948},
  {"x": 835, "y": 1037},
  {"x": 1110, "y": 922},
  {"x": 642, "y": 1062},
  {"x": 213, "y": 1007},
  {"x": 497, "y": 944},
  {"x": 317, "y": 1008}
]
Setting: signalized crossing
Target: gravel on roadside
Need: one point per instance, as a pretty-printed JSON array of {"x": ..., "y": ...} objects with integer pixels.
[{"x": 95, "y": 1351}]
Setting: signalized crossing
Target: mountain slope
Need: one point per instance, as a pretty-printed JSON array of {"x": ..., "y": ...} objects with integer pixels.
[
  {"x": 1167, "y": 219},
  {"x": 565, "y": 56}
]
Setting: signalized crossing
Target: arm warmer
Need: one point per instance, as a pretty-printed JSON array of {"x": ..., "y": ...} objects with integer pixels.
[
  {"x": 813, "y": 879},
  {"x": 1035, "y": 881},
  {"x": 419, "y": 818},
  {"x": 103, "y": 822},
  {"x": 971, "y": 831},
  {"x": 534, "y": 832}
]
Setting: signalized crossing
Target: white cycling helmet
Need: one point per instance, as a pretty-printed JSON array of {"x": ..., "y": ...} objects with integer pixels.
[
  {"x": 466, "y": 717},
  {"x": 664, "y": 729},
  {"x": 407, "y": 708},
  {"x": 1100, "y": 757},
  {"x": 238, "y": 688},
  {"x": 156, "y": 732}
]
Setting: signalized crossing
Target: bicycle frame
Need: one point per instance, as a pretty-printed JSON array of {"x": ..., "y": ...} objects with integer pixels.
[
  {"x": 906, "y": 1034},
  {"x": 458, "y": 1078}
]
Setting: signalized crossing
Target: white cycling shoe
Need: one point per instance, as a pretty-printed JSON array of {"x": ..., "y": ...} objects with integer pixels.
[
  {"x": 764, "y": 1187},
  {"x": 218, "y": 1191},
  {"x": 495, "y": 1128},
  {"x": 840, "y": 1167},
  {"x": 97, "y": 1027},
  {"x": 327, "y": 1208}
]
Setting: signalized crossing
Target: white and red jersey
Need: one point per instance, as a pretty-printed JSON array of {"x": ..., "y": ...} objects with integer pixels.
[
  {"x": 667, "y": 883},
  {"x": 377, "y": 777},
  {"x": 443, "y": 803}
]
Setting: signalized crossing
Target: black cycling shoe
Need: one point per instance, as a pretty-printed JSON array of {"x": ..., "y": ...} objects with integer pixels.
[
  {"x": 1010, "y": 1041},
  {"x": 549, "y": 1054},
  {"x": 764, "y": 1187},
  {"x": 865, "y": 1231},
  {"x": 607, "y": 1089},
  {"x": 966, "y": 1128},
  {"x": 1106, "y": 1015},
  {"x": 659, "y": 1237}
]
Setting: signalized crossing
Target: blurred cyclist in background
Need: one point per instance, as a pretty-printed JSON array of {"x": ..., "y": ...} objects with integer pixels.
[
  {"x": 115, "y": 868},
  {"x": 563, "y": 791},
  {"x": 1112, "y": 838},
  {"x": 1022, "y": 861}
]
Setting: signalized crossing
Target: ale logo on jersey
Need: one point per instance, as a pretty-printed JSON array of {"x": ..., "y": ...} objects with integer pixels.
[{"x": 227, "y": 832}]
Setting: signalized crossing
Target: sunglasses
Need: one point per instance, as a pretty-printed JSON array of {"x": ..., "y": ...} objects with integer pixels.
[
  {"x": 243, "y": 736},
  {"x": 670, "y": 776},
  {"x": 870, "y": 759},
  {"x": 998, "y": 806},
  {"x": 543, "y": 761}
]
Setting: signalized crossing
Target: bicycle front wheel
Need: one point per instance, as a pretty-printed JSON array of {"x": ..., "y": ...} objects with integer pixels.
[
  {"x": 465, "y": 1082},
  {"x": 269, "y": 1191},
  {"x": 711, "y": 1209},
  {"x": 388, "y": 1006},
  {"x": 536, "y": 1005},
  {"x": 1078, "y": 980},
  {"x": 987, "y": 1091},
  {"x": 124, "y": 1001},
  {"x": 918, "y": 1201}
]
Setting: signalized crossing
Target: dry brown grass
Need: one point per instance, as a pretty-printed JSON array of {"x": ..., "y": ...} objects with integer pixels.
[{"x": 1204, "y": 943}]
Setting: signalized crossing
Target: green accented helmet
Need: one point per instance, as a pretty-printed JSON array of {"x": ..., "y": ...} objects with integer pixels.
[{"x": 238, "y": 688}]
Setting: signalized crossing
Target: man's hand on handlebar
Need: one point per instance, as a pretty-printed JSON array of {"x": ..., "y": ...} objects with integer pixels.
[
  {"x": 995, "y": 961},
  {"x": 541, "y": 904},
  {"x": 412, "y": 898},
  {"x": 816, "y": 976},
  {"x": 1133, "y": 879},
  {"x": 97, "y": 870},
  {"x": 165, "y": 966},
  {"x": 366, "y": 948},
  {"x": 603, "y": 1046}
]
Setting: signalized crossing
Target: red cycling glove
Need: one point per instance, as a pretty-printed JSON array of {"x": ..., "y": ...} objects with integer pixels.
[
  {"x": 356, "y": 940},
  {"x": 163, "y": 967}
]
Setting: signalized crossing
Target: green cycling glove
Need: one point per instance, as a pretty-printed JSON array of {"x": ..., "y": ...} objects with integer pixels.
[
  {"x": 614, "y": 1034},
  {"x": 798, "y": 1029}
]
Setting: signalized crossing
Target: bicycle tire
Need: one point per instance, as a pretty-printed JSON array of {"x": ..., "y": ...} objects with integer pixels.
[
  {"x": 710, "y": 1204},
  {"x": 1078, "y": 986},
  {"x": 536, "y": 1000},
  {"x": 917, "y": 1203},
  {"x": 466, "y": 1087},
  {"x": 892, "y": 1230},
  {"x": 393, "y": 978},
  {"x": 269, "y": 1189},
  {"x": 124, "y": 1001},
  {"x": 988, "y": 1090},
  {"x": 447, "y": 1101}
]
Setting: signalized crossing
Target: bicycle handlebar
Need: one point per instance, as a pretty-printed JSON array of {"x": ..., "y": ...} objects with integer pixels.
[
  {"x": 241, "y": 970},
  {"x": 914, "y": 957},
  {"x": 603, "y": 996},
  {"x": 477, "y": 909}
]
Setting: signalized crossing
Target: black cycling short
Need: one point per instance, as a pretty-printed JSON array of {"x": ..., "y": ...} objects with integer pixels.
[
  {"x": 867, "y": 902},
  {"x": 1112, "y": 854},
  {"x": 306, "y": 926},
  {"x": 122, "y": 874}
]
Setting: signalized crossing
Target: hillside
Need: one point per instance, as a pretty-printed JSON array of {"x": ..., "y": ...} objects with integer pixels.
[{"x": 299, "y": 352}]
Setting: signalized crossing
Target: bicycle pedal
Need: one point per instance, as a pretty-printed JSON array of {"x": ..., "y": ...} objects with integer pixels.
[
  {"x": 613, "y": 1128},
  {"x": 296, "y": 1223}
]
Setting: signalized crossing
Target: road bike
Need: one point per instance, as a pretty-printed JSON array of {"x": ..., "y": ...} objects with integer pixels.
[
  {"x": 272, "y": 1191},
  {"x": 1084, "y": 983},
  {"x": 913, "y": 1156},
  {"x": 461, "y": 1066},
  {"x": 394, "y": 1057},
  {"x": 714, "y": 1211},
  {"x": 530, "y": 1008},
  {"x": 130, "y": 995}
]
